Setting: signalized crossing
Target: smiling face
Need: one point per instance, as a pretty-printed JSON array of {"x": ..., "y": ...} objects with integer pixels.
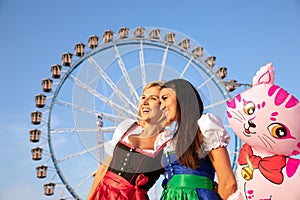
[
  {"x": 169, "y": 104},
  {"x": 267, "y": 118},
  {"x": 149, "y": 105}
]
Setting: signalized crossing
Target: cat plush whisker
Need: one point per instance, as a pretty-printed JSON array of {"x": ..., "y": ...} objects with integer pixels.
[
  {"x": 235, "y": 116},
  {"x": 269, "y": 138},
  {"x": 237, "y": 119},
  {"x": 265, "y": 142},
  {"x": 238, "y": 116},
  {"x": 241, "y": 115},
  {"x": 262, "y": 141}
]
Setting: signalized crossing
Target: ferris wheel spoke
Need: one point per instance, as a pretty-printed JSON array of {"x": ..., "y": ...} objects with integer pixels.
[
  {"x": 205, "y": 82},
  {"x": 108, "y": 116},
  {"x": 142, "y": 64},
  {"x": 78, "y": 130},
  {"x": 126, "y": 76},
  {"x": 186, "y": 67},
  {"x": 113, "y": 86},
  {"x": 163, "y": 64},
  {"x": 84, "y": 180},
  {"x": 76, "y": 107},
  {"x": 215, "y": 104},
  {"x": 79, "y": 153},
  {"x": 104, "y": 99},
  {"x": 63, "y": 191},
  {"x": 111, "y": 117}
]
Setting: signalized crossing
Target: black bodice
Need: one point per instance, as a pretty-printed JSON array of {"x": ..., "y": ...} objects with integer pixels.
[{"x": 130, "y": 162}]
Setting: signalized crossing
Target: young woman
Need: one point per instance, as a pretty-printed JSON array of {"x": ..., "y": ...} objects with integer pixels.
[
  {"x": 197, "y": 150},
  {"x": 135, "y": 164}
]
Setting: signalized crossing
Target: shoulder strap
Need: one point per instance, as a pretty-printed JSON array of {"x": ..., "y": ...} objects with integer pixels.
[{"x": 130, "y": 127}]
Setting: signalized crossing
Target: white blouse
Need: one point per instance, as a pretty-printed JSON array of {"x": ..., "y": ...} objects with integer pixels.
[
  {"x": 213, "y": 131},
  {"x": 122, "y": 128},
  {"x": 210, "y": 125}
]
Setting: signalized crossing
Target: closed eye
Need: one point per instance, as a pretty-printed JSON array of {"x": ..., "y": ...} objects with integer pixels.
[{"x": 154, "y": 98}]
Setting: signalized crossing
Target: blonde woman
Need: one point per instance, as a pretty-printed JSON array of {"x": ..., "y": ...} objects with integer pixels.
[{"x": 135, "y": 164}]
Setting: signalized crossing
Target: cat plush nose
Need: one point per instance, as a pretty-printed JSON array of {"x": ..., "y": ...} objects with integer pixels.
[{"x": 251, "y": 124}]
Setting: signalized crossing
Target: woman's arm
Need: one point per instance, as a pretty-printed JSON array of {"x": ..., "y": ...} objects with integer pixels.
[
  {"x": 226, "y": 179},
  {"x": 99, "y": 175}
]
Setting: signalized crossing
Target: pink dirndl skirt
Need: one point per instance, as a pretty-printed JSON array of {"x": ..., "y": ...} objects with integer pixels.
[{"x": 114, "y": 187}]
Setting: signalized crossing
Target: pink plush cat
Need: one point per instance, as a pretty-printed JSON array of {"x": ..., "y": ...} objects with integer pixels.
[{"x": 267, "y": 119}]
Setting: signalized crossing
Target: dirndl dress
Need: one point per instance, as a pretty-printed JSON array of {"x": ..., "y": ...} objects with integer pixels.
[
  {"x": 132, "y": 171},
  {"x": 184, "y": 183}
]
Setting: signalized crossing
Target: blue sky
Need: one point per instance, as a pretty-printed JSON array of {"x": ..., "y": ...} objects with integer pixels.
[{"x": 243, "y": 35}]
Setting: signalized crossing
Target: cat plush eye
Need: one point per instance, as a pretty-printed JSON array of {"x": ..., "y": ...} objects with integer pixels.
[
  {"x": 277, "y": 130},
  {"x": 249, "y": 108}
]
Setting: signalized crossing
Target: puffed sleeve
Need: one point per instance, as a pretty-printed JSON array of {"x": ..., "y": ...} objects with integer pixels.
[
  {"x": 214, "y": 133},
  {"x": 119, "y": 131},
  {"x": 162, "y": 139}
]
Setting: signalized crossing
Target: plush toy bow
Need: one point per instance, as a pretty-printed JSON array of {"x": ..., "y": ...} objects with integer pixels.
[{"x": 270, "y": 167}]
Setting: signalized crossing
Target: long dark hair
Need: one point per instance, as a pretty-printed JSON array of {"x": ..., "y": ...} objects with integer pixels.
[{"x": 188, "y": 136}]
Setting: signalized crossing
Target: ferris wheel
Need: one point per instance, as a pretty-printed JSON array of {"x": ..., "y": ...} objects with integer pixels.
[{"x": 86, "y": 97}]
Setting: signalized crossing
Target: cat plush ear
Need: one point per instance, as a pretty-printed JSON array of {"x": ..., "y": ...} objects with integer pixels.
[{"x": 264, "y": 75}]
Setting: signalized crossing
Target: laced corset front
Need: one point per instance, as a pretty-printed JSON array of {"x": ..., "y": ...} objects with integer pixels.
[{"x": 129, "y": 162}]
